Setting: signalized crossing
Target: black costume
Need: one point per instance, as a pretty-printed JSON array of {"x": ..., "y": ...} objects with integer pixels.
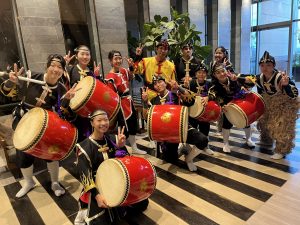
[
  {"x": 181, "y": 66},
  {"x": 90, "y": 155}
]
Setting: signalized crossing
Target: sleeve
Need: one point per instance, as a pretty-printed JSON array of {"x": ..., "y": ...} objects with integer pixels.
[
  {"x": 139, "y": 67},
  {"x": 86, "y": 173},
  {"x": 291, "y": 90},
  {"x": 212, "y": 93},
  {"x": 8, "y": 91}
]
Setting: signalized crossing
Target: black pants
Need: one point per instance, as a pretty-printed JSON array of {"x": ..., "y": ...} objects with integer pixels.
[
  {"x": 131, "y": 122},
  {"x": 202, "y": 126},
  {"x": 194, "y": 137}
]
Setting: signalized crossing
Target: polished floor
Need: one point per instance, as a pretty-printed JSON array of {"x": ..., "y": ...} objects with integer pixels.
[{"x": 243, "y": 187}]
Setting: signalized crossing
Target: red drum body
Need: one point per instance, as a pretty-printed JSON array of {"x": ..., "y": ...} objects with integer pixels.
[
  {"x": 209, "y": 113},
  {"x": 168, "y": 123},
  {"x": 125, "y": 181},
  {"x": 242, "y": 112},
  {"x": 43, "y": 134},
  {"x": 92, "y": 94}
]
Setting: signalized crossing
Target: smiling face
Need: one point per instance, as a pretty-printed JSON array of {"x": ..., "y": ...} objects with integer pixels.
[
  {"x": 219, "y": 55},
  {"x": 201, "y": 75},
  {"x": 83, "y": 56},
  {"x": 54, "y": 71},
  {"x": 267, "y": 68},
  {"x": 221, "y": 75},
  {"x": 100, "y": 123},
  {"x": 116, "y": 61}
]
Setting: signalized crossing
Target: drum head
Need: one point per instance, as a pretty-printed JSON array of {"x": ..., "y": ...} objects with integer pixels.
[
  {"x": 30, "y": 129},
  {"x": 236, "y": 116},
  {"x": 85, "y": 89},
  {"x": 197, "y": 109},
  {"x": 112, "y": 181}
]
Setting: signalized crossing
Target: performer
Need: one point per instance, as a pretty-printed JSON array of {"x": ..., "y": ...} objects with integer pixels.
[
  {"x": 186, "y": 65},
  {"x": 223, "y": 90},
  {"x": 200, "y": 86},
  {"x": 47, "y": 96},
  {"x": 158, "y": 65},
  {"x": 280, "y": 95},
  {"x": 221, "y": 56},
  {"x": 194, "y": 137},
  {"x": 91, "y": 153},
  {"x": 74, "y": 74},
  {"x": 118, "y": 80}
]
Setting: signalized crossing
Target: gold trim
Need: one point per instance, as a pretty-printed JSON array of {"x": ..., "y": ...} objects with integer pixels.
[{"x": 149, "y": 123}]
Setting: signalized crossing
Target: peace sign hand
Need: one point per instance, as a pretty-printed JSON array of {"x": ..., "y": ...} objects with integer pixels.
[
  {"x": 121, "y": 137},
  {"x": 71, "y": 93},
  {"x": 139, "y": 50},
  {"x": 97, "y": 69},
  {"x": 129, "y": 61},
  {"x": 145, "y": 94},
  {"x": 284, "y": 79},
  {"x": 68, "y": 58},
  {"x": 13, "y": 75}
]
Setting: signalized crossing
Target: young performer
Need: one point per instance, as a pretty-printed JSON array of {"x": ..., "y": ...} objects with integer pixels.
[
  {"x": 91, "y": 153},
  {"x": 186, "y": 65},
  {"x": 280, "y": 95},
  {"x": 200, "y": 86},
  {"x": 118, "y": 80},
  {"x": 223, "y": 90},
  {"x": 47, "y": 96},
  {"x": 194, "y": 137},
  {"x": 74, "y": 74}
]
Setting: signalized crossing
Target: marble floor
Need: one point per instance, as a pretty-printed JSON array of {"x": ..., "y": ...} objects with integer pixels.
[{"x": 243, "y": 187}]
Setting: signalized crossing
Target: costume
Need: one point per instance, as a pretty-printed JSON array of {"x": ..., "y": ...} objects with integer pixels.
[
  {"x": 36, "y": 95},
  {"x": 150, "y": 66},
  {"x": 76, "y": 74},
  {"x": 194, "y": 137},
  {"x": 90, "y": 154},
  {"x": 186, "y": 67},
  {"x": 279, "y": 120},
  {"x": 201, "y": 89},
  {"x": 127, "y": 116}
]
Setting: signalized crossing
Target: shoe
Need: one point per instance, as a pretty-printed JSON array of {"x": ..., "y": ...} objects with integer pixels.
[
  {"x": 139, "y": 152},
  {"x": 250, "y": 143},
  {"x": 183, "y": 149},
  {"x": 209, "y": 151},
  {"x": 192, "y": 167},
  {"x": 265, "y": 143},
  {"x": 152, "y": 144},
  {"x": 80, "y": 217},
  {"x": 277, "y": 156},
  {"x": 57, "y": 189},
  {"x": 226, "y": 148}
]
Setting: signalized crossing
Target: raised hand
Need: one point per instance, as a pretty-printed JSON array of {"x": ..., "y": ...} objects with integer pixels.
[
  {"x": 13, "y": 75},
  {"x": 204, "y": 100},
  {"x": 129, "y": 61},
  {"x": 145, "y": 94},
  {"x": 139, "y": 49},
  {"x": 97, "y": 69},
  {"x": 121, "y": 137},
  {"x": 71, "y": 93},
  {"x": 68, "y": 58},
  {"x": 284, "y": 79}
]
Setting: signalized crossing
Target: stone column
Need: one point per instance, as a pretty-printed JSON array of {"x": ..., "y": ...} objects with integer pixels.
[
  {"x": 224, "y": 23},
  {"x": 41, "y": 31},
  {"x": 196, "y": 11},
  {"x": 159, "y": 7},
  {"x": 245, "y": 36},
  {"x": 212, "y": 23},
  {"x": 111, "y": 25}
]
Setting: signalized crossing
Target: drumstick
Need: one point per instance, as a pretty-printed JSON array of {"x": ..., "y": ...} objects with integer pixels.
[{"x": 31, "y": 80}]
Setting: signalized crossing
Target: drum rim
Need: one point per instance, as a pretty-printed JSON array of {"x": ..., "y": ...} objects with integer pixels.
[
  {"x": 41, "y": 132},
  {"x": 149, "y": 122},
  {"x": 235, "y": 106},
  {"x": 88, "y": 97},
  {"x": 115, "y": 112},
  {"x": 154, "y": 175},
  {"x": 183, "y": 124},
  {"x": 260, "y": 97},
  {"x": 201, "y": 113},
  {"x": 72, "y": 146}
]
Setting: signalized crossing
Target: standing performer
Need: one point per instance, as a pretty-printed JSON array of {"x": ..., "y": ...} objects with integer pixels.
[
  {"x": 223, "y": 90},
  {"x": 118, "y": 80},
  {"x": 91, "y": 153},
  {"x": 187, "y": 64},
  {"x": 200, "y": 86},
  {"x": 47, "y": 96},
  {"x": 280, "y": 95},
  {"x": 194, "y": 137},
  {"x": 76, "y": 73},
  {"x": 158, "y": 65}
]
